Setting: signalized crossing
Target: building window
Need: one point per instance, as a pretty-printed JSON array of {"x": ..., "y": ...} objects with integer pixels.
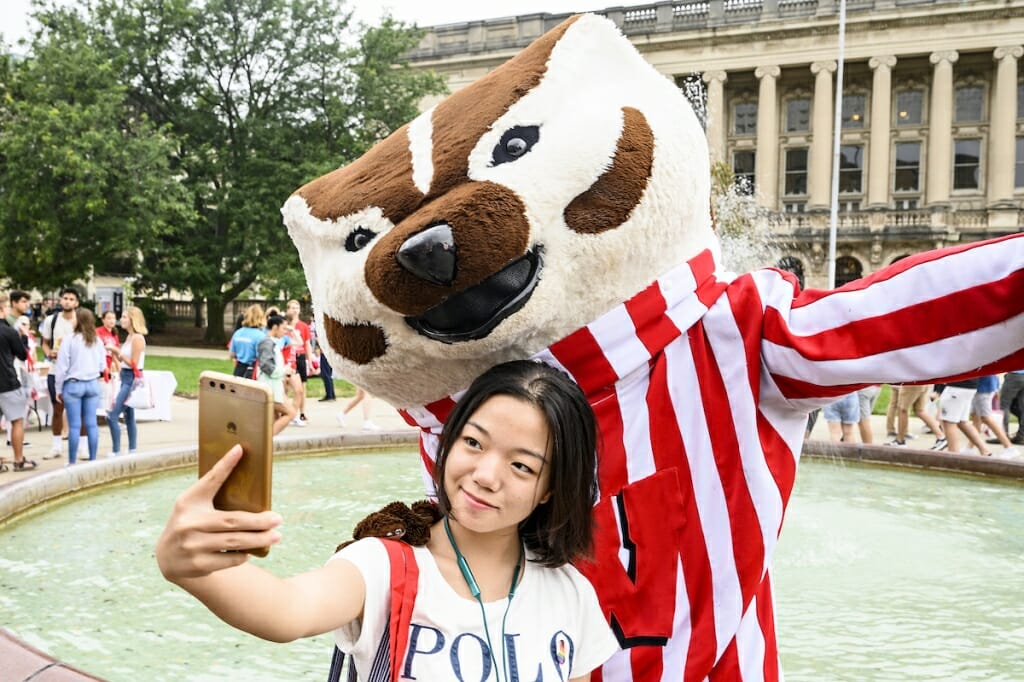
[
  {"x": 792, "y": 264},
  {"x": 796, "y": 171},
  {"x": 967, "y": 164},
  {"x": 745, "y": 118},
  {"x": 1020, "y": 101},
  {"x": 851, "y": 168},
  {"x": 907, "y": 177},
  {"x": 906, "y": 204},
  {"x": 847, "y": 270},
  {"x": 743, "y": 170},
  {"x": 968, "y": 104},
  {"x": 909, "y": 107},
  {"x": 853, "y": 111},
  {"x": 1018, "y": 171},
  {"x": 798, "y": 115}
]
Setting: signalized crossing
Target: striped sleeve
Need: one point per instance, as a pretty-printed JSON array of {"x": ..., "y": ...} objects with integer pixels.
[{"x": 933, "y": 317}]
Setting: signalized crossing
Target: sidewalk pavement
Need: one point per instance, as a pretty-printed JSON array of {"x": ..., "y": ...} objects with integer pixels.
[{"x": 184, "y": 424}]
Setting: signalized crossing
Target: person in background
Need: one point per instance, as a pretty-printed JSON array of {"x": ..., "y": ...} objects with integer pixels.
[
  {"x": 364, "y": 398},
  {"x": 891, "y": 411},
  {"x": 914, "y": 397},
  {"x": 866, "y": 398},
  {"x": 1011, "y": 397},
  {"x": 273, "y": 370},
  {"x": 20, "y": 303},
  {"x": 130, "y": 356},
  {"x": 982, "y": 413},
  {"x": 80, "y": 361},
  {"x": 12, "y": 395},
  {"x": 53, "y": 330},
  {"x": 841, "y": 415},
  {"x": 26, "y": 369},
  {"x": 242, "y": 347},
  {"x": 107, "y": 333},
  {"x": 302, "y": 351},
  {"x": 323, "y": 365},
  {"x": 955, "y": 410}
]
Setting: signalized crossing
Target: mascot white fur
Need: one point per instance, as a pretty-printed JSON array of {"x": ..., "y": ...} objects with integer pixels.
[{"x": 558, "y": 208}]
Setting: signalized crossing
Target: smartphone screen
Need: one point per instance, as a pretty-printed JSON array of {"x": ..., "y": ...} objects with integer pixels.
[{"x": 233, "y": 410}]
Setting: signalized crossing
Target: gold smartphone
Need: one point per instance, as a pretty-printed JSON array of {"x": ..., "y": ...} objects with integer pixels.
[{"x": 233, "y": 410}]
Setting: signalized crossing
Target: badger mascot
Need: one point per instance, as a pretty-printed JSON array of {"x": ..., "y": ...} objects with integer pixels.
[{"x": 557, "y": 208}]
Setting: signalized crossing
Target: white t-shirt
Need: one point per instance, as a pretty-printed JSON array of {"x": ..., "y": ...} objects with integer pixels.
[
  {"x": 61, "y": 329},
  {"x": 554, "y": 631}
]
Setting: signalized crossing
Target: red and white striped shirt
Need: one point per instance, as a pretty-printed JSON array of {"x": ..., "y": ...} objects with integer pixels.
[{"x": 701, "y": 386}]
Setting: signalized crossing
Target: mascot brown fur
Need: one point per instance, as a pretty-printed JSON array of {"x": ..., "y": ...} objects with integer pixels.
[{"x": 557, "y": 208}]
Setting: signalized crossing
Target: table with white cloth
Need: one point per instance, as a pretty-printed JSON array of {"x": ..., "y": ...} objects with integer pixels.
[{"x": 164, "y": 385}]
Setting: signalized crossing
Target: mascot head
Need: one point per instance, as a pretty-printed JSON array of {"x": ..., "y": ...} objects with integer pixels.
[{"x": 514, "y": 212}]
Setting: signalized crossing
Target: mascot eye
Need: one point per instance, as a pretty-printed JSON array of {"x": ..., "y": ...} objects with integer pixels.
[
  {"x": 359, "y": 238},
  {"x": 514, "y": 144}
]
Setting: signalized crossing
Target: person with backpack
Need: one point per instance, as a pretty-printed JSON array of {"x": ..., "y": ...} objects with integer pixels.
[
  {"x": 273, "y": 370},
  {"x": 491, "y": 591},
  {"x": 54, "y": 329}
]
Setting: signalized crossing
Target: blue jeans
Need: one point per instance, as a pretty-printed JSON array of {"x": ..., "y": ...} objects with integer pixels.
[
  {"x": 81, "y": 398},
  {"x": 127, "y": 375}
]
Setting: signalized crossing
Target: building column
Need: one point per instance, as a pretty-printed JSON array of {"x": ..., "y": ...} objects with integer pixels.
[
  {"x": 819, "y": 171},
  {"x": 881, "y": 126},
  {"x": 940, "y": 129},
  {"x": 716, "y": 122},
  {"x": 766, "y": 163},
  {"x": 1003, "y": 131}
]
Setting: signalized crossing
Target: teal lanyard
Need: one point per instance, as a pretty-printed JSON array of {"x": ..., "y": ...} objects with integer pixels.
[{"x": 474, "y": 589}]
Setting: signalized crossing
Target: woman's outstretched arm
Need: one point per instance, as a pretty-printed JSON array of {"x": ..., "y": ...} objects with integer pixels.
[{"x": 201, "y": 550}]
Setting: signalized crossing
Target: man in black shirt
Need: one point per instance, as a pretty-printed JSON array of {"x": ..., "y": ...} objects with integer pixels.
[{"x": 12, "y": 394}]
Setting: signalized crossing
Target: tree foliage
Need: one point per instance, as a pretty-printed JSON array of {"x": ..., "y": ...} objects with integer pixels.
[
  {"x": 260, "y": 96},
  {"x": 85, "y": 178},
  {"x": 174, "y": 130}
]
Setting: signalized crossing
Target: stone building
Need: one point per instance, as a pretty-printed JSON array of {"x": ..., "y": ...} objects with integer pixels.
[{"x": 932, "y": 118}]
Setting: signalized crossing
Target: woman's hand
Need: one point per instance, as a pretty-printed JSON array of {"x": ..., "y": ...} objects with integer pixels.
[{"x": 199, "y": 540}]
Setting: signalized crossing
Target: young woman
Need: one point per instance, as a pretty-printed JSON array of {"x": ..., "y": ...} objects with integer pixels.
[
  {"x": 273, "y": 370},
  {"x": 360, "y": 398},
  {"x": 80, "y": 362},
  {"x": 516, "y": 480},
  {"x": 242, "y": 347},
  {"x": 131, "y": 356}
]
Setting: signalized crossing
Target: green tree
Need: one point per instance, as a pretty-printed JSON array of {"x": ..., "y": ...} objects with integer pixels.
[
  {"x": 261, "y": 96},
  {"x": 85, "y": 180}
]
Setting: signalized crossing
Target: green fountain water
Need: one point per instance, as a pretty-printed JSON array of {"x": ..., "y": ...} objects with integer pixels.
[{"x": 880, "y": 575}]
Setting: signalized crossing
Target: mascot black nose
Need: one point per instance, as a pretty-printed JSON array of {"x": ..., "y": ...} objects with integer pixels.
[{"x": 430, "y": 255}]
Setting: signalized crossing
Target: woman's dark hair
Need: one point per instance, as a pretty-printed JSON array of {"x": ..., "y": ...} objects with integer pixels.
[
  {"x": 86, "y": 325},
  {"x": 560, "y": 529},
  {"x": 274, "y": 320}
]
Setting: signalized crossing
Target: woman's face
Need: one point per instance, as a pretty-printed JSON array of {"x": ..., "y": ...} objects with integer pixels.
[
  {"x": 497, "y": 470},
  {"x": 126, "y": 322},
  {"x": 109, "y": 319}
]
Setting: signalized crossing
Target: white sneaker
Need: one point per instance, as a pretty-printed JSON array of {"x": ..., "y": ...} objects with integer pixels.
[
  {"x": 297, "y": 422},
  {"x": 341, "y": 420},
  {"x": 370, "y": 426},
  {"x": 55, "y": 453},
  {"x": 1010, "y": 453}
]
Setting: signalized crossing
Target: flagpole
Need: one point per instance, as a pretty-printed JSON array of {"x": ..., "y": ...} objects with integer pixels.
[{"x": 837, "y": 134}]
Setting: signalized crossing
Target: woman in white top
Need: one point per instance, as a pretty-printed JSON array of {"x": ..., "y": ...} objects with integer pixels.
[
  {"x": 80, "y": 361},
  {"x": 496, "y": 597},
  {"x": 132, "y": 356}
]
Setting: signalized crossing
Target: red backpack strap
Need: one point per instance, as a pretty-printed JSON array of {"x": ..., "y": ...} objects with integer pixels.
[{"x": 404, "y": 581}]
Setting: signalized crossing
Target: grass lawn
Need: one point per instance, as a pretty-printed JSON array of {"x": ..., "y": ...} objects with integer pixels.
[{"x": 186, "y": 372}]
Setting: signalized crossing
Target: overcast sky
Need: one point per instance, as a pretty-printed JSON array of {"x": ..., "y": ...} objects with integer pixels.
[{"x": 14, "y": 21}]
